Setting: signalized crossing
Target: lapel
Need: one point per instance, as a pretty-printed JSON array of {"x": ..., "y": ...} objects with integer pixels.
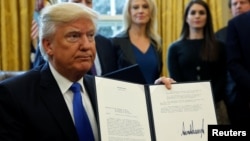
[
  {"x": 126, "y": 47},
  {"x": 55, "y": 103},
  {"x": 100, "y": 46},
  {"x": 89, "y": 83},
  {"x": 248, "y": 22},
  {"x": 102, "y": 51},
  {"x": 128, "y": 50}
]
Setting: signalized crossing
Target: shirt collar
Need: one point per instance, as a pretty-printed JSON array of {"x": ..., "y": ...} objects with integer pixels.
[{"x": 63, "y": 83}]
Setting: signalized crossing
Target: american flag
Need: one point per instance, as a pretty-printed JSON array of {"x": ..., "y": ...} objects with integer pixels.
[{"x": 39, "y": 5}]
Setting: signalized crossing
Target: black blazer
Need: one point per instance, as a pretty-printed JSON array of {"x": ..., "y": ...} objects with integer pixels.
[
  {"x": 32, "y": 108},
  {"x": 238, "y": 51},
  {"x": 124, "y": 51},
  {"x": 104, "y": 50},
  {"x": 106, "y": 54}
]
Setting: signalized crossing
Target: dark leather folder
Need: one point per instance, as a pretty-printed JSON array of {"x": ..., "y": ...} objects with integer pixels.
[{"x": 131, "y": 74}]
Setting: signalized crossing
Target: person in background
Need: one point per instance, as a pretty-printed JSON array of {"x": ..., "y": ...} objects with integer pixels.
[
  {"x": 139, "y": 42},
  {"x": 39, "y": 5},
  {"x": 237, "y": 7},
  {"x": 197, "y": 55},
  {"x": 105, "y": 61},
  {"x": 88, "y": 3},
  {"x": 238, "y": 59}
]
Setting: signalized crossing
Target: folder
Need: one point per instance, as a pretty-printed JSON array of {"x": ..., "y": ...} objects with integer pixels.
[
  {"x": 130, "y": 74},
  {"x": 130, "y": 111}
]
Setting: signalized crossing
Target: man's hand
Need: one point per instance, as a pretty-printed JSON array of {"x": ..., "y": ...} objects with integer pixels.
[{"x": 166, "y": 81}]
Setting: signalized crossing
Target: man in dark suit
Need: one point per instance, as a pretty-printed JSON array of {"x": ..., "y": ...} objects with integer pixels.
[
  {"x": 105, "y": 60},
  {"x": 237, "y": 7},
  {"x": 39, "y": 105},
  {"x": 238, "y": 52}
]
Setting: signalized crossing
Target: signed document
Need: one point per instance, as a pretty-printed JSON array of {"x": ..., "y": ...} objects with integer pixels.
[
  {"x": 182, "y": 113},
  {"x": 135, "y": 112}
]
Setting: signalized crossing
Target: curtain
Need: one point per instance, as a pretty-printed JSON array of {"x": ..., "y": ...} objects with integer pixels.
[
  {"x": 170, "y": 15},
  {"x": 15, "y": 43}
]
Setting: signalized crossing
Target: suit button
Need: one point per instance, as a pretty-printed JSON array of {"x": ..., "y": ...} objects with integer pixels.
[
  {"x": 198, "y": 68},
  {"x": 198, "y": 77}
]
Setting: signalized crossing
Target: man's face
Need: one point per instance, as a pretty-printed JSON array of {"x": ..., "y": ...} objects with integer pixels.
[
  {"x": 72, "y": 48},
  {"x": 239, "y": 6},
  {"x": 85, "y": 2}
]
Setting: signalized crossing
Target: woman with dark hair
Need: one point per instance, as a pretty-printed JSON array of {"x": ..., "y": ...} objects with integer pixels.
[{"x": 197, "y": 55}]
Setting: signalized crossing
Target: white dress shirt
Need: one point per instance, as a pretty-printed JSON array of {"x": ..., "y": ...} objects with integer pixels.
[{"x": 64, "y": 85}]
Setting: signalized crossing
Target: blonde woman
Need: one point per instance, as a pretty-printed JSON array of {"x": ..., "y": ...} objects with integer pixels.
[{"x": 139, "y": 42}]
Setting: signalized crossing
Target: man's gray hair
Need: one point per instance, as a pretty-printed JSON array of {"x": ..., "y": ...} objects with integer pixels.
[{"x": 55, "y": 15}]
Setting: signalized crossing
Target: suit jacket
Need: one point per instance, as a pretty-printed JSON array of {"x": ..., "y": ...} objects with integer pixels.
[
  {"x": 106, "y": 54},
  {"x": 221, "y": 34},
  {"x": 32, "y": 108},
  {"x": 104, "y": 50},
  {"x": 125, "y": 54},
  {"x": 238, "y": 51}
]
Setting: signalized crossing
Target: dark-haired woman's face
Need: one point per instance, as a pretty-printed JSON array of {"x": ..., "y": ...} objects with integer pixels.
[{"x": 196, "y": 17}]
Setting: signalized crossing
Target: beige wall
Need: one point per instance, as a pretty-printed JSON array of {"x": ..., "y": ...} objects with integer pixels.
[{"x": 226, "y": 12}]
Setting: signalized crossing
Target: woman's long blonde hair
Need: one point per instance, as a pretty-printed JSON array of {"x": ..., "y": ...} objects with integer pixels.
[{"x": 151, "y": 28}]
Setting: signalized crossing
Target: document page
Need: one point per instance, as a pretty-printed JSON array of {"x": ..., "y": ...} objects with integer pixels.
[
  {"x": 182, "y": 113},
  {"x": 122, "y": 109}
]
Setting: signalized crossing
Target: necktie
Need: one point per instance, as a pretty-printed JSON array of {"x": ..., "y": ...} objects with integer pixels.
[{"x": 82, "y": 123}]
